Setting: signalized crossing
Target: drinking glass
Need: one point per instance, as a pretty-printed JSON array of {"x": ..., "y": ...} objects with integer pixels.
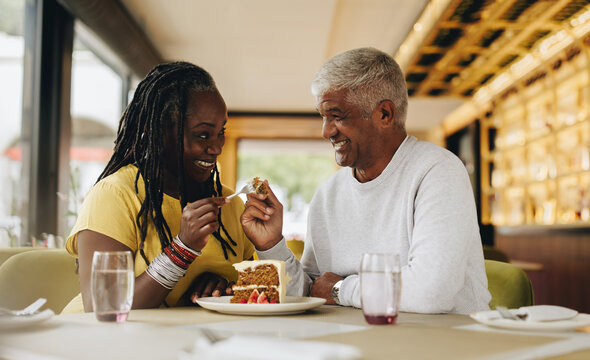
[
  {"x": 112, "y": 285},
  {"x": 380, "y": 287}
]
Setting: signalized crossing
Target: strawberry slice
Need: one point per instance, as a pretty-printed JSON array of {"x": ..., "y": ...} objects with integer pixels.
[
  {"x": 253, "y": 297},
  {"x": 262, "y": 299}
]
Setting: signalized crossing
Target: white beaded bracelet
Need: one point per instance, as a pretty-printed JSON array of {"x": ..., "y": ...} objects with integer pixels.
[{"x": 164, "y": 271}]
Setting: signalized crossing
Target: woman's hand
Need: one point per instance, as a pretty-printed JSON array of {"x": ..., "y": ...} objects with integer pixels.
[
  {"x": 208, "y": 284},
  {"x": 262, "y": 219},
  {"x": 199, "y": 220}
]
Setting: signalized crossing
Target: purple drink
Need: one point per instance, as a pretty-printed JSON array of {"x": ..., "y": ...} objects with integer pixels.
[
  {"x": 381, "y": 319},
  {"x": 380, "y": 278}
]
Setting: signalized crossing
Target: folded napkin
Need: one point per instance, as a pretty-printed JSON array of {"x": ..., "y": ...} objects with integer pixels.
[
  {"x": 262, "y": 348},
  {"x": 533, "y": 313},
  {"x": 19, "y": 321}
]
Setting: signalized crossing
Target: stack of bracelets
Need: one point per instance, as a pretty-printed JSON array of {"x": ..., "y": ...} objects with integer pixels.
[{"x": 168, "y": 267}]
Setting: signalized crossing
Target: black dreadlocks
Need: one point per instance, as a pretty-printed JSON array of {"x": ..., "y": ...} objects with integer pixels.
[{"x": 160, "y": 99}]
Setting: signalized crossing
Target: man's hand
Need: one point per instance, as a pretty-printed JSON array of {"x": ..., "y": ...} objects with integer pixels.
[
  {"x": 262, "y": 219},
  {"x": 322, "y": 286},
  {"x": 208, "y": 284}
]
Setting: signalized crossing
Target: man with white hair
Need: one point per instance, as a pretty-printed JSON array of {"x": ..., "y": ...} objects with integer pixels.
[{"x": 394, "y": 194}]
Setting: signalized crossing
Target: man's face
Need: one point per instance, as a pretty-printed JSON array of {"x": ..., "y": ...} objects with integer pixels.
[{"x": 350, "y": 133}]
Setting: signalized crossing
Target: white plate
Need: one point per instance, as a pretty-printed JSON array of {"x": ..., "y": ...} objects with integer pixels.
[
  {"x": 578, "y": 321},
  {"x": 16, "y": 322},
  {"x": 293, "y": 305}
]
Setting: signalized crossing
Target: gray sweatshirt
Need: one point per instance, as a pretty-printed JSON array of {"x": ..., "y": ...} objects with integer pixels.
[{"x": 422, "y": 207}]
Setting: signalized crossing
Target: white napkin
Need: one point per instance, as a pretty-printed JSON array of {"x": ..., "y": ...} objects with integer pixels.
[
  {"x": 14, "y": 322},
  {"x": 263, "y": 348},
  {"x": 534, "y": 313}
]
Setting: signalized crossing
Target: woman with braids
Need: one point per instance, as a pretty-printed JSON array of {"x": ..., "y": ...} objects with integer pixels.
[{"x": 160, "y": 195}]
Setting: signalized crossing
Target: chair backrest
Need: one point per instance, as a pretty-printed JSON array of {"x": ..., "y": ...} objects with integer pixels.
[
  {"x": 509, "y": 285},
  {"x": 6, "y": 253},
  {"x": 491, "y": 253},
  {"x": 296, "y": 247},
  {"x": 48, "y": 273}
]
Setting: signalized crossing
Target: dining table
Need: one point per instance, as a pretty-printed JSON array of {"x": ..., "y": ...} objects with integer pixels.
[{"x": 174, "y": 333}]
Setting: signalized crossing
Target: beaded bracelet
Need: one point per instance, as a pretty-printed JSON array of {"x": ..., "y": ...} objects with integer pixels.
[
  {"x": 171, "y": 265},
  {"x": 179, "y": 242},
  {"x": 187, "y": 257},
  {"x": 180, "y": 261},
  {"x": 164, "y": 271}
]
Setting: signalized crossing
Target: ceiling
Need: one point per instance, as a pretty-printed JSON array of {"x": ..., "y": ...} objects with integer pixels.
[
  {"x": 264, "y": 53},
  {"x": 476, "y": 40}
]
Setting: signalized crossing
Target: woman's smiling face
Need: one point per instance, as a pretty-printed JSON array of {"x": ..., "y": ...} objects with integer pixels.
[{"x": 204, "y": 136}]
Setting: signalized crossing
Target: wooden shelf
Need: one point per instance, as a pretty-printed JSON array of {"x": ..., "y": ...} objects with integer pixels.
[{"x": 534, "y": 177}]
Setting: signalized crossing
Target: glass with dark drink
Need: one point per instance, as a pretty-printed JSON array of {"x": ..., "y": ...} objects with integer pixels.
[{"x": 380, "y": 288}]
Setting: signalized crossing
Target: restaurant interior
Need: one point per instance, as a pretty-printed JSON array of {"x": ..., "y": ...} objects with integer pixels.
[{"x": 503, "y": 84}]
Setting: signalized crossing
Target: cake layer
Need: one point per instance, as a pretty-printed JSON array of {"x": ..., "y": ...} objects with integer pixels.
[
  {"x": 260, "y": 276},
  {"x": 264, "y": 274}
]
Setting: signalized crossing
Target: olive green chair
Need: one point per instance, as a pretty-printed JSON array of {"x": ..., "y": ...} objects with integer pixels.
[
  {"x": 509, "y": 285},
  {"x": 296, "y": 247},
  {"x": 29, "y": 275},
  {"x": 6, "y": 253}
]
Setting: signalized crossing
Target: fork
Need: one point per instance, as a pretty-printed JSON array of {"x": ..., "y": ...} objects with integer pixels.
[
  {"x": 507, "y": 314},
  {"x": 211, "y": 335},
  {"x": 29, "y": 310},
  {"x": 247, "y": 188}
]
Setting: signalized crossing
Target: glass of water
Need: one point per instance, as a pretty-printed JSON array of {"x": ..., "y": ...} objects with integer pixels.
[
  {"x": 380, "y": 287},
  {"x": 112, "y": 285}
]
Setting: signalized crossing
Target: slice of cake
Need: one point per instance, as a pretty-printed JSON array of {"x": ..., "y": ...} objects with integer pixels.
[
  {"x": 260, "y": 282},
  {"x": 258, "y": 186}
]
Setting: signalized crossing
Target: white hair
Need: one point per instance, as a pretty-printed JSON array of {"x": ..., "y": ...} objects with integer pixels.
[{"x": 370, "y": 76}]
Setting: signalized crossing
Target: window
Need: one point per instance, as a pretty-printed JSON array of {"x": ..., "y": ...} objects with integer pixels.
[
  {"x": 12, "y": 16},
  {"x": 97, "y": 102}
]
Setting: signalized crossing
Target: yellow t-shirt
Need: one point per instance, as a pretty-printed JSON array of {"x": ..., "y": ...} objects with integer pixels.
[{"x": 111, "y": 207}]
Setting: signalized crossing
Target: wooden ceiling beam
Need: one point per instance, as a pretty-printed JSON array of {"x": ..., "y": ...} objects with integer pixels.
[
  {"x": 495, "y": 54},
  {"x": 489, "y": 60},
  {"x": 473, "y": 31}
]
